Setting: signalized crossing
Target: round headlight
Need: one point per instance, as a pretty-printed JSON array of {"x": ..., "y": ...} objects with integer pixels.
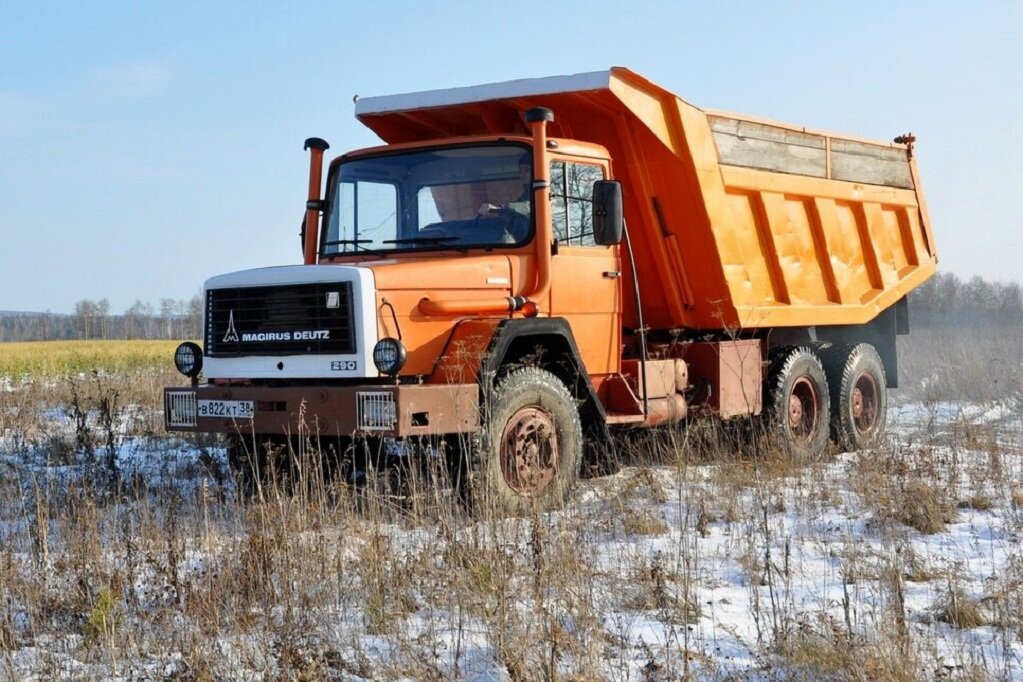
[
  {"x": 188, "y": 359},
  {"x": 389, "y": 356}
]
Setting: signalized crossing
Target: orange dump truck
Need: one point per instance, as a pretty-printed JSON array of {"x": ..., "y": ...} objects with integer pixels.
[{"x": 526, "y": 267}]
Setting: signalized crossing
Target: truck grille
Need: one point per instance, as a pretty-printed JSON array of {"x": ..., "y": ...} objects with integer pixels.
[{"x": 280, "y": 320}]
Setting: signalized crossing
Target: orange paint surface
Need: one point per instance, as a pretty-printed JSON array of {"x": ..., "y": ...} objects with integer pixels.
[{"x": 717, "y": 246}]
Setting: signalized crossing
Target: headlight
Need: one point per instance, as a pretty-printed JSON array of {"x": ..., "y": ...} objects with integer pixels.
[
  {"x": 188, "y": 359},
  {"x": 389, "y": 356}
]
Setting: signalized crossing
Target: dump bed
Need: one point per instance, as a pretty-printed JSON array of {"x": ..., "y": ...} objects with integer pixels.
[{"x": 735, "y": 222}]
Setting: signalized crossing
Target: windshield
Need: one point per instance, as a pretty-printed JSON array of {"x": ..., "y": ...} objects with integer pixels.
[{"x": 454, "y": 197}]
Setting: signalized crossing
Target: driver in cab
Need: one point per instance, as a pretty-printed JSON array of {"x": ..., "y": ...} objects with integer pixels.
[{"x": 521, "y": 205}]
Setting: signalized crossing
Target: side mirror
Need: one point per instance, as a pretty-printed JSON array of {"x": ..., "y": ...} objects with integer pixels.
[
  {"x": 301, "y": 233},
  {"x": 607, "y": 212}
]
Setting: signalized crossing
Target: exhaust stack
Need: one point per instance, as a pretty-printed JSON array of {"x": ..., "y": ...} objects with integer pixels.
[{"x": 314, "y": 204}]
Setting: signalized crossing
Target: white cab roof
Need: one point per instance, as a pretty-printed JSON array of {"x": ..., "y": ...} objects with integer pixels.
[{"x": 525, "y": 87}]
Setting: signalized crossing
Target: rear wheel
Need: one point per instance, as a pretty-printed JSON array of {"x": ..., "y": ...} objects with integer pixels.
[
  {"x": 799, "y": 402},
  {"x": 859, "y": 395},
  {"x": 530, "y": 447}
]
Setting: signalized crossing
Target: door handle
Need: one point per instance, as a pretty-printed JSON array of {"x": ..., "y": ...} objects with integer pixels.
[{"x": 612, "y": 274}]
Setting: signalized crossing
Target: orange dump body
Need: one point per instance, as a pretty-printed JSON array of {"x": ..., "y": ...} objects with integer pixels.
[{"x": 734, "y": 222}]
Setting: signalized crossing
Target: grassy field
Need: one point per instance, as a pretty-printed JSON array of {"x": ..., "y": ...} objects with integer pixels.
[
  {"x": 70, "y": 358},
  {"x": 125, "y": 552},
  {"x": 116, "y": 383}
]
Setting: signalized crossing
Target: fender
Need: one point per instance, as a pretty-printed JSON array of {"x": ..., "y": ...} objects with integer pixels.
[{"x": 516, "y": 340}]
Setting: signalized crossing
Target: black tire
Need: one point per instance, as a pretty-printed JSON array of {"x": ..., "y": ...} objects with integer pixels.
[
  {"x": 256, "y": 462},
  {"x": 529, "y": 449},
  {"x": 798, "y": 403},
  {"x": 859, "y": 395},
  {"x": 244, "y": 462}
]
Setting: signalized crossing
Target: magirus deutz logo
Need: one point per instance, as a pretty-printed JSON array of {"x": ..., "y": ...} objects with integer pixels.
[{"x": 232, "y": 335}]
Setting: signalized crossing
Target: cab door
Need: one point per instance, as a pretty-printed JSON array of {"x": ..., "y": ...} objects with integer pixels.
[{"x": 585, "y": 277}]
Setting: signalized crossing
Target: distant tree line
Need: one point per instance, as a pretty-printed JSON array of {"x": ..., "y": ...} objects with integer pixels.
[
  {"x": 171, "y": 319},
  {"x": 945, "y": 300}
]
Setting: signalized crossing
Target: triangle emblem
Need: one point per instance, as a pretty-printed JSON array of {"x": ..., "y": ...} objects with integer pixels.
[{"x": 232, "y": 335}]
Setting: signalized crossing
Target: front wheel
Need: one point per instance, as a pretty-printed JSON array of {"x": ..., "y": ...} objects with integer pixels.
[
  {"x": 259, "y": 463},
  {"x": 247, "y": 460},
  {"x": 530, "y": 447}
]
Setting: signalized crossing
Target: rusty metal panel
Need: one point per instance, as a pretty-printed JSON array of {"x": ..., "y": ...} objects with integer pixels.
[
  {"x": 431, "y": 409},
  {"x": 726, "y": 377},
  {"x": 660, "y": 377},
  {"x": 335, "y": 410}
]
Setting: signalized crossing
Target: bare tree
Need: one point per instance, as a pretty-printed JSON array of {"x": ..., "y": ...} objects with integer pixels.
[
  {"x": 168, "y": 311},
  {"x": 134, "y": 320},
  {"x": 194, "y": 318},
  {"x": 85, "y": 315},
  {"x": 103, "y": 317}
]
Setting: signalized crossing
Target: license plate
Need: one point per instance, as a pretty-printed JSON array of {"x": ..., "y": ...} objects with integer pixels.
[{"x": 232, "y": 409}]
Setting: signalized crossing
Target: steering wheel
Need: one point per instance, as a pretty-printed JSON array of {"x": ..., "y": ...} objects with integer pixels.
[
  {"x": 515, "y": 225},
  {"x": 496, "y": 226},
  {"x": 432, "y": 231}
]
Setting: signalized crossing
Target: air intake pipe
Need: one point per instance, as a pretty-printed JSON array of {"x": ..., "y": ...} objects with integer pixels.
[{"x": 314, "y": 204}]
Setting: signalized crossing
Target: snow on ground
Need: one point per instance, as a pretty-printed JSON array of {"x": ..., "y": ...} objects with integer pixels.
[{"x": 729, "y": 567}]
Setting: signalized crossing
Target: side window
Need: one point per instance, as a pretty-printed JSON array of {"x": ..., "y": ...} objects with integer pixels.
[{"x": 571, "y": 201}]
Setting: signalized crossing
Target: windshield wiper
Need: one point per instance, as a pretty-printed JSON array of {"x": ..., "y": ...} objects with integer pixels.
[
  {"x": 429, "y": 241},
  {"x": 357, "y": 243},
  {"x": 422, "y": 240},
  {"x": 335, "y": 242}
]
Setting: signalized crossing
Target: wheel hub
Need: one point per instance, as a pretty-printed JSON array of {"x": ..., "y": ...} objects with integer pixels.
[
  {"x": 529, "y": 451},
  {"x": 795, "y": 411},
  {"x": 803, "y": 409},
  {"x": 857, "y": 403},
  {"x": 864, "y": 402}
]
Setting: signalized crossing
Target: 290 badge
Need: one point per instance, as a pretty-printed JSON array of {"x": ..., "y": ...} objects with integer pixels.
[{"x": 343, "y": 365}]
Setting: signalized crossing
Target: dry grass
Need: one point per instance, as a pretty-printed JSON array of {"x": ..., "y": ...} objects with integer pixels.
[
  {"x": 151, "y": 575},
  {"x": 822, "y": 649},
  {"x": 293, "y": 586},
  {"x": 920, "y": 506},
  {"x": 959, "y": 610},
  {"x": 106, "y": 389}
]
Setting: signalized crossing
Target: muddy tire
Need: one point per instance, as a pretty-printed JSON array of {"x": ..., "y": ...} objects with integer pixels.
[
  {"x": 798, "y": 403},
  {"x": 529, "y": 449},
  {"x": 859, "y": 395}
]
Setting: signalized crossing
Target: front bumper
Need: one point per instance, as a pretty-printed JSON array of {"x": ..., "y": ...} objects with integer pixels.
[{"x": 390, "y": 410}]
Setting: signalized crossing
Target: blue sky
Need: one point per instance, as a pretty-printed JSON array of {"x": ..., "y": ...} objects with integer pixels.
[{"x": 145, "y": 146}]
